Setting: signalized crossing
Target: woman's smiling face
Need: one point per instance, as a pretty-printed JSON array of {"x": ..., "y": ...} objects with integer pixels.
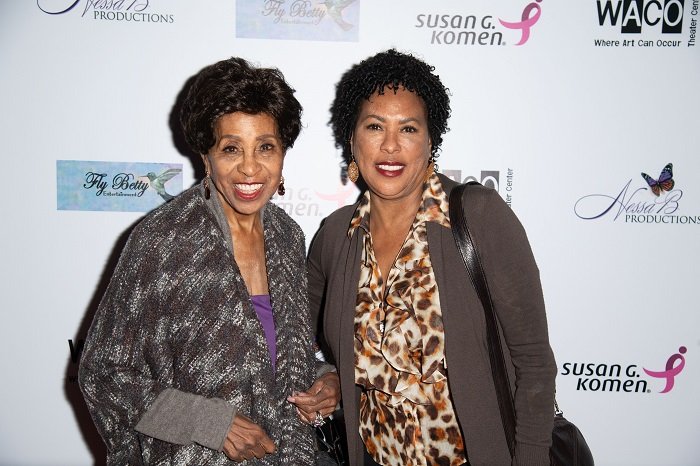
[
  {"x": 391, "y": 144},
  {"x": 245, "y": 163}
]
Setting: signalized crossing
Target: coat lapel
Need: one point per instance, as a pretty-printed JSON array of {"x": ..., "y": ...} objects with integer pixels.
[
  {"x": 346, "y": 349},
  {"x": 280, "y": 266}
]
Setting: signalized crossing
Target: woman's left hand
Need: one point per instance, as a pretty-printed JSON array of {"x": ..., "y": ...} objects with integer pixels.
[{"x": 322, "y": 398}]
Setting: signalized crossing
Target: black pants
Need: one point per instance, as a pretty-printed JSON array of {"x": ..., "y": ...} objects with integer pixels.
[{"x": 369, "y": 461}]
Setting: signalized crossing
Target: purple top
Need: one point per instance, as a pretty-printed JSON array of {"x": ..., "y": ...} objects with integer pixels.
[{"x": 263, "y": 308}]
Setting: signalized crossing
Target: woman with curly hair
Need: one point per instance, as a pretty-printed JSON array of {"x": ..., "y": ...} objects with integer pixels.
[
  {"x": 201, "y": 350},
  {"x": 393, "y": 299}
]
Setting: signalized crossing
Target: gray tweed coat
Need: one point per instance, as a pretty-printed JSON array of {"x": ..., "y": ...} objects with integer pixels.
[{"x": 176, "y": 343}]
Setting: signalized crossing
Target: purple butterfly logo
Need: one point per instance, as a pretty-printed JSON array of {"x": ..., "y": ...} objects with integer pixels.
[{"x": 663, "y": 183}]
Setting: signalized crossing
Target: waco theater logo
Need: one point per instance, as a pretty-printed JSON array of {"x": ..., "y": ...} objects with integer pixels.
[{"x": 636, "y": 16}]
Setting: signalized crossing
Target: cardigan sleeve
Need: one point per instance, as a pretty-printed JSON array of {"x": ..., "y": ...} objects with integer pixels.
[
  {"x": 514, "y": 282},
  {"x": 316, "y": 282},
  {"x": 117, "y": 367},
  {"x": 182, "y": 418}
]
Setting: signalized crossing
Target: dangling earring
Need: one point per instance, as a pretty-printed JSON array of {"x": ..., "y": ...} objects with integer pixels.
[
  {"x": 353, "y": 171},
  {"x": 207, "y": 192},
  {"x": 280, "y": 188},
  {"x": 431, "y": 168}
]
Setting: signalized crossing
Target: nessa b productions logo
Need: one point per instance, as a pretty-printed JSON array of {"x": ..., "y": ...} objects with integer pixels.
[
  {"x": 115, "y": 186},
  {"x": 639, "y": 20},
  {"x": 480, "y": 29},
  {"x": 136, "y": 11},
  {"x": 329, "y": 20},
  {"x": 625, "y": 378},
  {"x": 641, "y": 200}
]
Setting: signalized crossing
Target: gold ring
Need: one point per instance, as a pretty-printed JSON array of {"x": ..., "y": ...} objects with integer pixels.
[{"x": 318, "y": 421}]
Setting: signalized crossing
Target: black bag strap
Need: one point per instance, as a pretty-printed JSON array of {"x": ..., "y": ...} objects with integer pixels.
[{"x": 469, "y": 254}]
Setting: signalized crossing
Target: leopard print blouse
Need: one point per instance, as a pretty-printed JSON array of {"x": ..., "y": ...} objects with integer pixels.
[{"x": 406, "y": 412}]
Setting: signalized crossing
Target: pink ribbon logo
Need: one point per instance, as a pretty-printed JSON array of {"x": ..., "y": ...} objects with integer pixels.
[
  {"x": 671, "y": 371},
  {"x": 526, "y": 21},
  {"x": 340, "y": 196}
]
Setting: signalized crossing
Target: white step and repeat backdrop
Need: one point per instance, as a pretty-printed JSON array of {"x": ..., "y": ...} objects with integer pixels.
[{"x": 559, "y": 105}]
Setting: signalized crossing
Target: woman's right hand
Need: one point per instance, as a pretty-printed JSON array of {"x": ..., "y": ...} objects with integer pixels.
[
  {"x": 246, "y": 440},
  {"x": 320, "y": 400}
]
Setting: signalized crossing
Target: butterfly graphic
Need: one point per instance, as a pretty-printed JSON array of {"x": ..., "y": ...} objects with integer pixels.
[{"x": 665, "y": 181}]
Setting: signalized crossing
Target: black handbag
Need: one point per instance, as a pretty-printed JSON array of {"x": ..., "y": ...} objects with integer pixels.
[
  {"x": 331, "y": 442},
  {"x": 569, "y": 447}
]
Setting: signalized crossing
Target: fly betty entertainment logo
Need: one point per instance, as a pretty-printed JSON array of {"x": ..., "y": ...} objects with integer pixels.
[
  {"x": 132, "y": 11},
  {"x": 647, "y": 23},
  {"x": 641, "y": 200},
  {"x": 318, "y": 20},
  {"x": 625, "y": 378},
  {"x": 480, "y": 29},
  {"x": 115, "y": 186}
]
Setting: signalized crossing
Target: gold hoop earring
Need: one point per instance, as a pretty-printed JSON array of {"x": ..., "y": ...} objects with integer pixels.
[
  {"x": 207, "y": 191},
  {"x": 431, "y": 168},
  {"x": 353, "y": 171},
  {"x": 280, "y": 188}
]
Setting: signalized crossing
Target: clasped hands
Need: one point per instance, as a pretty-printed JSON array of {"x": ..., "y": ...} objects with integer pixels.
[
  {"x": 319, "y": 401},
  {"x": 246, "y": 440}
]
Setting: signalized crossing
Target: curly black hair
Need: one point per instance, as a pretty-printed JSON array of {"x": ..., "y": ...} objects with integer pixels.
[
  {"x": 234, "y": 85},
  {"x": 388, "y": 70}
]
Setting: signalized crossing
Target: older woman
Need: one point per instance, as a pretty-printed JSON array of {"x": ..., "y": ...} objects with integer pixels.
[
  {"x": 399, "y": 315},
  {"x": 203, "y": 332}
]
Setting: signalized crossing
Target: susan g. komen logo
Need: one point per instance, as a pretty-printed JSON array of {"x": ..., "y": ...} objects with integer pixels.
[
  {"x": 674, "y": 366},
  {"x": 619, "y": 377},
  {"x": 646, "y": 200},
  {"x": 528, "y": 18}
]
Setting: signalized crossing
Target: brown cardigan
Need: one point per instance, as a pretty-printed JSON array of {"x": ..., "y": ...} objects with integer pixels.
[{"x": 515, "y": 285}]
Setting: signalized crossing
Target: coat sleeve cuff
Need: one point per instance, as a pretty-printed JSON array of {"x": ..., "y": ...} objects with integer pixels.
[
  {"x": 324, "y": 368},
  {"x": 213, "y": 422},
  {"x": 183, "y": 418},
  {"x": 531, "y": 455}
]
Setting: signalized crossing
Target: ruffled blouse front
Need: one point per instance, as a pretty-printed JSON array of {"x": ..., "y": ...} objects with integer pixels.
[{"x": 406, "y": 413}]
